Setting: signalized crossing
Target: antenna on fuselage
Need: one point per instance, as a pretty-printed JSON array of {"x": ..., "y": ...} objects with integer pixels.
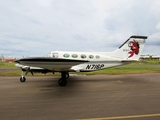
[{"x": 58, "y": 48}]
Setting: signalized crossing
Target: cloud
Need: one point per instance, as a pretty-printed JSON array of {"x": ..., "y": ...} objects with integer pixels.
[{"x": 39, "y": 26}]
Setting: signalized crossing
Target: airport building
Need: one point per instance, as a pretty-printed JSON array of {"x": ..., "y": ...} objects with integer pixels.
[
  {"x": 8, "y": 60},
  {"x": 150, "y": 57}
]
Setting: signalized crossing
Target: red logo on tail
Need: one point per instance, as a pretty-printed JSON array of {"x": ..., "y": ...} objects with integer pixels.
[{"x": 134, "y": 47}]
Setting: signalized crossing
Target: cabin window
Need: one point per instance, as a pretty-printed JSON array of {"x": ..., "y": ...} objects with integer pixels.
[
  {"x": 97, "y": 56},
  {"x": 83, "y": 56},
  {"x": 91, "y": 56},
  {"x": 74, "y": 55},
  {"x": 55, "y": 55},
  {"x": 66, "y": 55}
]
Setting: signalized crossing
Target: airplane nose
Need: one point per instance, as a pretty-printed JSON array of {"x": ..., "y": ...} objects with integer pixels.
[{"x": 17, "y": 61}]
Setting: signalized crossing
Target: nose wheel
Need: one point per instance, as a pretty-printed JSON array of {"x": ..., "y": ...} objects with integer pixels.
[{"x": 22, "y": 79}]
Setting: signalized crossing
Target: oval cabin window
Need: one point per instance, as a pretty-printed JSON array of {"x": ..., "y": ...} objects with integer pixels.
[
  {"x": 74, "y": 55},
  {"x": 83, "y": 56},
  {"x": 97, "y": 56},
  {"x": 91, "y": 56},
  {"x": 66, "y": 55}
]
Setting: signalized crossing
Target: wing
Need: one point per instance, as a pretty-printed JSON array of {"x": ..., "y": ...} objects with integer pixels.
[{"x": 54, "y": 64}]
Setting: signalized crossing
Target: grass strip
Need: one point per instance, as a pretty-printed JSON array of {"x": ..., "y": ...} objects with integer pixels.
[{"x": 133, "y": 68}]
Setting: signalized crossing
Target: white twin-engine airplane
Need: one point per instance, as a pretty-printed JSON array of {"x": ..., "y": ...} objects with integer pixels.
[{"x": 65, "y": 62}]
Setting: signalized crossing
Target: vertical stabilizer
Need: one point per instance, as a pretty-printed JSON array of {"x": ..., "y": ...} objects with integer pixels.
[{"x": 131, "y": 49}]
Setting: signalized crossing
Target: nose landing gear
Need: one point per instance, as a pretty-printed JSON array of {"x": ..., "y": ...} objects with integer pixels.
[{"x": 24, "y": 73}]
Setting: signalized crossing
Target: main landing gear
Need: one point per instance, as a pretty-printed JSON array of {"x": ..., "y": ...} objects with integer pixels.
[{"x": 63, "y": 80}]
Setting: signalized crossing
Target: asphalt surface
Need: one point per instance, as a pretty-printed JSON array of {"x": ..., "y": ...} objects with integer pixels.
[{"x": 107, "y": 97}]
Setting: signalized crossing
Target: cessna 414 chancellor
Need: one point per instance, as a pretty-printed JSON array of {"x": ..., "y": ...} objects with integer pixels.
[{"x": 65, "y": 62}]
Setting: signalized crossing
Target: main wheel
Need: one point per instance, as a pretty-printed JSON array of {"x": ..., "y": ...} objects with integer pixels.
[
  {"x": 62, "y": 82},
  {"x": 22, "y": 79}
]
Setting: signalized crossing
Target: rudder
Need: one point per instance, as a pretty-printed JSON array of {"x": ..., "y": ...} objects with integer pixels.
[{"x": 131, "y": 49}]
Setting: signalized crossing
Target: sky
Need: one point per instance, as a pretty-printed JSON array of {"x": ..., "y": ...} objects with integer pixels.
[{"x": 37, "y": 27}]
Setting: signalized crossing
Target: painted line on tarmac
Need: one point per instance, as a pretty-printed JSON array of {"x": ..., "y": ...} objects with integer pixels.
[{"x": 124, "y": 117}]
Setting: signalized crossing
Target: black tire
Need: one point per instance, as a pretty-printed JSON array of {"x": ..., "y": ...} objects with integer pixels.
[
  {"x": 62, "y": 82},
  {"x": 22, "y": 79}
]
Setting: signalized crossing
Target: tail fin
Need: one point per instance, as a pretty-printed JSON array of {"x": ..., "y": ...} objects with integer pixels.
[{"x": 131, "y": 49}]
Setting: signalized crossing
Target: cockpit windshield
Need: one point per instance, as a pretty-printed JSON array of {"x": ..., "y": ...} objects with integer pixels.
[{"x": 54, "y": 55}]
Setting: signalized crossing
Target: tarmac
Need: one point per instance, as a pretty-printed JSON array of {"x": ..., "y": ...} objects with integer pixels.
[{"x": 95, "y": 97}]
